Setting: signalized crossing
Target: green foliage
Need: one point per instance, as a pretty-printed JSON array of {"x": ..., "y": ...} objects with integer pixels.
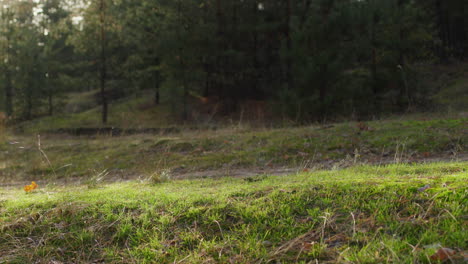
[
  {"x": 316, "y": 59},
  {"x": 35, "y": 56}
]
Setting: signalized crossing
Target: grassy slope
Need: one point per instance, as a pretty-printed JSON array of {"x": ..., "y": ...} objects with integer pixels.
[
  {"x": 304, "y": 147},
  {"x": 81, "y": 110},
  {"x": 360, "y": 215},
  {"x": 451, "y": 86}
]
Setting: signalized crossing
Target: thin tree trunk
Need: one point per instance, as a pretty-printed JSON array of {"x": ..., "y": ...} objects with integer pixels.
[
  {"x": 404, "y": 93},
  {"x": 8, "y": 93},
  {"x": 184, "y": 84},
  {"x": 289, "y": 77},
  {"x": 323, "y": 93},
  {"x": 255, "y": 49},
  {"x": 29, "y": 106},
  {"x": 103, "y": 74},
  {"x": 237, "y": 94},
  {"x": 28, "y": 94},
  {"x": 50, "y": 96},
  {"x": 442, "y": 31},
  {"x": 220, "y": 66},
  {"x": 51, "y": 105},
  {"x": 156, "y": 86},
  {"x": 181, "y": 64},
  {"x": 206, "y": 62},
  {"x": 375, "y": 87},
  {"x": 156, "y": 96},
  {"x": 8, "y": 81}
]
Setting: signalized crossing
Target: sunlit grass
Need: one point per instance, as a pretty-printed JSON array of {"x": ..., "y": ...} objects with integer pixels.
[{"x": 365, "y": 214}]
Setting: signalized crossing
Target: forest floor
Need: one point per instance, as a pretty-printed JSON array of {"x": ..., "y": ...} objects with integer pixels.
[{"x": 392, "y": 191}]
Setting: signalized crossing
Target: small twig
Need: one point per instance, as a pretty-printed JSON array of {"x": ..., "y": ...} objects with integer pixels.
[
  {"x": 299, "y": 254},
  {"x": 222, "y": 235},
  {"x": 325, "y": 219},
  {"x": 220, "y": 229},
  {"x": 354, "y": 224},
  {"x": 430, "y": 206},
  {"x": 341, "y": 254},
  {"x": 64, "y": 166},
  {"x": 44, "y": 154},
  {"x": 180, "y": 261},
  {"x": 413, "y": 247},
  {"x": 449, "y": 214}
]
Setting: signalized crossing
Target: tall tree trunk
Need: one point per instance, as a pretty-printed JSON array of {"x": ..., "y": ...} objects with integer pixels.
[
  {"x": 103, "y": 71},
  {"x": 28, "y": 95},
  {"x": 184, "y": 84},
  {"x": 220, "y": 66},
  {"x": 29, "y": 106},
  {"x": 157, "y": 82},
  {"x": 323, "y": 91},
  {"x": 255, "y": 62},
  {"x": 8, "y": 93},
  {"x": 51, "y": 105},
  {"x": 235, "y": 88},
  {"x": 181, "y": 64},
  {"x": 289, "y": 76},
  {"x": 50, "y": 94},
  {"x": 404, "y": 93},
  {"x": 442, "y": 31},
  {"x": 8, "y": 81},
  {"x": 375, "y": 87}
]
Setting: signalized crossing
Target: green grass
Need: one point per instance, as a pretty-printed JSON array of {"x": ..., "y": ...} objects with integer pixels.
[
  {"x": 81, "y": 110},
  {"x": 365, "y": 214},
  {"x": 451, "y": 86},
  {"x": 227, "y": 149},
  {"x": 455, "y": 96}
]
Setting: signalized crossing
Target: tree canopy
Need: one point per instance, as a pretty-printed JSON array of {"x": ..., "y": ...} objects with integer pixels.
[{"x": 312, "y": 58}]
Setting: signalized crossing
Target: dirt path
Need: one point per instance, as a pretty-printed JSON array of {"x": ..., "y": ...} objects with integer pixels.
[
  {"x": 320, "y": 165},
  {"x": 250, "y": 172}
]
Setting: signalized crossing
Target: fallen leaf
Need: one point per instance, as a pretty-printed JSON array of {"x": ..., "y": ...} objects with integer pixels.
[
  {"x": 443, "y": 254},
  {"x": 31, "y": 187},
  {"x": 307, "y": 245}
]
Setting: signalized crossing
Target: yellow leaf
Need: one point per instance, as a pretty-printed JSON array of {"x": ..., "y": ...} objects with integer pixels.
[{"x": 32, "y": 186}]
